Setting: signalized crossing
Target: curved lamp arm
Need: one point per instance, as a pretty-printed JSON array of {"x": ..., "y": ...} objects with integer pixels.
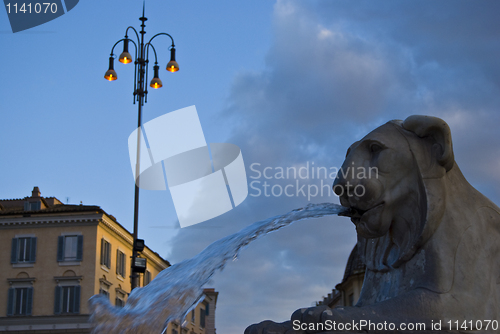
[
  {"x": 172, "y": 65},
  {"x": 162, "y": 33},
  {"x": 113, "y": 48},
  {"x": 136, "y": 33},
  {"x": 123, "y": 39},
  {"x": 147, "y": 51},
  {"x": 147, "y": 67}
]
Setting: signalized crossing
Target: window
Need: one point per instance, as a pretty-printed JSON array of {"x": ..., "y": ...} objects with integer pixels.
[
  {"x": 202, "y": 318},
  {"x": 120, "y": 298},
  {"x": 67, "y": 299},
  {"x": 23, "y": 250},
  {"x": 147, "y": 277},
  {"x": 192, "y": 316},
  {"x": 32, "y": 206},
  {"x": 105, "y": 253},
  {"x": 104, "y": 292},
  {"x": 119, "y": 302},
  {"x": 20, "y": 301},
  {"x": 351, "y": 300},
  {"x": 69, "y": 248},
  {"x": 120, "y": 263},
  {"x": 174, "y": 327},
  {"x": 104, "y": 286}
]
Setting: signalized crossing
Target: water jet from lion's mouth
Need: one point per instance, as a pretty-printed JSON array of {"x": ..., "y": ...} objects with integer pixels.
[
  {"x": 350, "y": 212},
  {"x": 176, "y": 289}
]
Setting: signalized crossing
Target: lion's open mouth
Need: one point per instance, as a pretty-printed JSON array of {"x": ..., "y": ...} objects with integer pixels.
[{"x": 356, "y": 213}]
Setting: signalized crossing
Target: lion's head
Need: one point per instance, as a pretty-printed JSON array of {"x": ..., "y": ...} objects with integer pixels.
[{"x": 385, "y": 180}]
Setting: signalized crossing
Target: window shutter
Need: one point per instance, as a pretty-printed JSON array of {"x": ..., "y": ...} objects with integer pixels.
[
  {"x": 57, "y": 301},
  {"x": 33, "y": 250},
  {"x": 13, "y": 254},
  {"x": 79, "y": 249},
  {"x": 108, "y": 256},
  {"x": 29, "y": 301},
  {"x": 76, "y": 308},
  {"x": 60, "y": 248},
  {"x": 10, "y": 303},
  {"x": 27, "y": 250},
  {"x": 202, "y": 318},
  {"x": 117, "y": 261},
  {"x": 26, "y": 206},
  {"x": 102, "y": 251}
]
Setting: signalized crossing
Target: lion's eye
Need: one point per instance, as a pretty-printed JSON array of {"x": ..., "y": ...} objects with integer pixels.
[{"x": 374, "y": 148}]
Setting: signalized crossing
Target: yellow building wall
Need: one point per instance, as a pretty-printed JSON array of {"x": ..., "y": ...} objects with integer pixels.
[
  {"x": 153, "y": 265},
  {"x": 120, "y": 241},
  {"x": 46, "y": 266},
  {"x": 90, "y": 222},
  {"x": 117, "y": 281},
  {"x": 190, "y": 326}
]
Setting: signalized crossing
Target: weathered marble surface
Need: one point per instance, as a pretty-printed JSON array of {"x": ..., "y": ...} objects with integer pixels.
[{"x": 431, "y": 242}]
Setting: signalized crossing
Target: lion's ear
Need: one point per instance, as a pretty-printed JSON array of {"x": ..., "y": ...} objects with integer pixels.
[{"x": 436, "y": 128}]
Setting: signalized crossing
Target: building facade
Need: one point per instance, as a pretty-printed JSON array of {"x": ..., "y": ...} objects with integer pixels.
[
  {"x": 347, "y": 292},
  {"x": 55, "y": 256},
  {"x": 201, "y": 319}
]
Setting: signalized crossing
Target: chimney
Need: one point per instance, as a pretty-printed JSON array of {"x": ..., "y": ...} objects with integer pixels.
[{"x": 35, "y": 193}]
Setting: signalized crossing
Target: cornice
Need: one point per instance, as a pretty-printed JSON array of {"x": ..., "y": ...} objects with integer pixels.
[
  {"x": 150, "y": 255},
  {"x": 120, "y": 231},
  {"x": 68, "y": 278},
  {"x": 40, "y": 221}
]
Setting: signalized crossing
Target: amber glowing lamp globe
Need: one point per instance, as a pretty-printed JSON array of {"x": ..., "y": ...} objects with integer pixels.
[
  {"x": 172, "y": 66},
  {"x": 125, "y": 58},
  {"x": 156, "y": 83},
  {"x": 110, "y": 75}
]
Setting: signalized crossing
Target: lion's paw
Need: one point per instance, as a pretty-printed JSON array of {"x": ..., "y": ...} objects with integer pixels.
[
  {"x": 309, "y": 320},
  {"x": 270, "y": 327}
]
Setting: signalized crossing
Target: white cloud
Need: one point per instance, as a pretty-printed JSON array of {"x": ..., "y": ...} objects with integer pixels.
[{"x": 335, "y": 71}]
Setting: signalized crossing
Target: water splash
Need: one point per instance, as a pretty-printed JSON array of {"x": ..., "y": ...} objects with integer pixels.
[{"x": 176, "y": 289}]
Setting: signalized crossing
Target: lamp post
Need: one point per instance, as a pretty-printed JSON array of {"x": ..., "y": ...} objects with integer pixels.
[{"x": 141, "y": 62}]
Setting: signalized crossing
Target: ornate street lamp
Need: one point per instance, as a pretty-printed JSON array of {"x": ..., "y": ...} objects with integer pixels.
[{"x": 140, "y": 95}]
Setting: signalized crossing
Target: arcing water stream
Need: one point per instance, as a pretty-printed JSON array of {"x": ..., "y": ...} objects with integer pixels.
[{"x": 176, "y": 289}]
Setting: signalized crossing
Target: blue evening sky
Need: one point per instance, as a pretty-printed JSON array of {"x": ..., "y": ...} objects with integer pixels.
[{"x": 290, "y": 82}]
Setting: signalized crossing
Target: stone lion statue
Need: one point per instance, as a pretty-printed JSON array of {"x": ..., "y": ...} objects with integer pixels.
[{"x": 430, "y": 241}]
